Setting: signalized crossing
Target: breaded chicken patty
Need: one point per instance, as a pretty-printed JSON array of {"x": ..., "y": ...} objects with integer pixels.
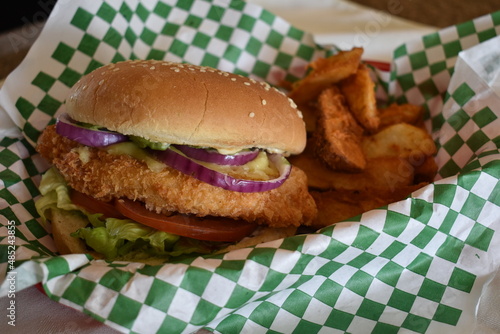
[{"x": 106, "y": 176}]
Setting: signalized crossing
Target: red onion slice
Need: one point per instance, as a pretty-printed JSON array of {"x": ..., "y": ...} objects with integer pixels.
[
  {"x": 187, "y": 166},
  {"x": 89, "y": 137},
  {"x": 215, "y": 157}
]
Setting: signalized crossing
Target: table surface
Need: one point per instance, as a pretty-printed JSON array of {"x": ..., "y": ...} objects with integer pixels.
[{"x": 438, "y": 13}]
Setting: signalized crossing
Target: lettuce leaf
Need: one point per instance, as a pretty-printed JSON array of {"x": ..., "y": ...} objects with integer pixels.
[
  {"x": 55, "y": 194},
  {"x": 112, "y": 237},
  {"x": 120, "y": 236}
]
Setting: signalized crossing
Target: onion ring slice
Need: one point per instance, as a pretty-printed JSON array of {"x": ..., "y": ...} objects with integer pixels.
[
  {"x": 190, "y": 167},
  {"x": 66, "y": 127},
  {"x": 212, "y": 156}
]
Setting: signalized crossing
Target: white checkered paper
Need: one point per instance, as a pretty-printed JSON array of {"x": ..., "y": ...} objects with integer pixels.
[{"x": 415, "y": 266}]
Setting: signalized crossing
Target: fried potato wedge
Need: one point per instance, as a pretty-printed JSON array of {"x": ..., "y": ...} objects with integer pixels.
[
  {"x": 425, "y": 171},
  {"x": 337, "y": 139},
  {"x": 359, "y": 91},
  {"x": 310, "y": 115},
  {"x": 337, "y": 205},
  {"x": 382, "y": 173},
  {"x": 400, "y": 113},
  {"x": 399, "y": 140},
  {"x": 359, "y": 156},
  {"x": 325, "y": 72}
]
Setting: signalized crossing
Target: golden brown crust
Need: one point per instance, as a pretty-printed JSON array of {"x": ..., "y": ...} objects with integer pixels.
[
  {"x": 186, "y": 104},
  {"x": 324, "y": 73},
  {"x": 107, "y": 176},
  {"x": 359, "y": 90},
  {"x": 337, "y": 139}
]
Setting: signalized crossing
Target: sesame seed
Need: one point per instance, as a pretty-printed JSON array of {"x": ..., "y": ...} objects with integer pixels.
[
  {"x": 84, "y": 87},
  {"x": 233, "y": 79},
  {"x": 177, "y": 70},
  {"x": 247, "y": 83},
  {"x": 101, "y": 82},
  {"x": 116, "y": 69},
  {"x": 264, "y": 102},
  {"x": 292, "y": 103},
  {"x": 251, "y": 115},
  {"x": 152, "y": 68},
  {"x": 299, "y": 113}
]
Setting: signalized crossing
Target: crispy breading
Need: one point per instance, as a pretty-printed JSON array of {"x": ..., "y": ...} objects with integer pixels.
[
  {"x": 359, "y": 91},
  {"x": 105, "y": 176},
  {"x": 337, "y": 139}
]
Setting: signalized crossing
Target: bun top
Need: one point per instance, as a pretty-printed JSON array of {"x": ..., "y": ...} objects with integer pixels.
[{"x": 190, "y": 105}]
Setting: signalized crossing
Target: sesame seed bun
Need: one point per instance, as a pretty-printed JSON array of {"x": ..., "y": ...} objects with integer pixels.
[{"x": 190, "y": 105}]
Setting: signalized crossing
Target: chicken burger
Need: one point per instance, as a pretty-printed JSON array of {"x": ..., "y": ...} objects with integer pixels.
[{"x": 159, "y": 159}]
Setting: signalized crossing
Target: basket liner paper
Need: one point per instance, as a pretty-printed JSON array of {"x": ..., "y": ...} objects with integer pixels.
[{"x": 418, "y": 265}]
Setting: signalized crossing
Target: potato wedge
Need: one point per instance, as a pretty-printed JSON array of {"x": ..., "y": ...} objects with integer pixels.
[
  {"x": 310, "y": 115},
  {"x": 325, "y": 72},
  {"x": 382, "y": 173},
  {"x": 337, "y": 139},
  {"x": 399, "y": 140},
  {"x": 426, "y": 170},
  {"x": 359, "y": 91},
  {"x": 337, "y": 205},
  {"x": 400, "y": 113}
]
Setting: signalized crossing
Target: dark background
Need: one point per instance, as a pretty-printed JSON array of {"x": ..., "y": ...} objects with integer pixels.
[{"x": 19, "y": 12}]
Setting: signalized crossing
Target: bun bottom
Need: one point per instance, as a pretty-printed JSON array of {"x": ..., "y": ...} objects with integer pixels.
[{"x": 66, "y": 222}]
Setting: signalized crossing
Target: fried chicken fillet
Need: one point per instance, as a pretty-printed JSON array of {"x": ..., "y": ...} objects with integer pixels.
[{"x": 106, "y": 176}]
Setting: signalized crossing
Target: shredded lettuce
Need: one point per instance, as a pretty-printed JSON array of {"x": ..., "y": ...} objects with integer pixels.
[{"x": 112, "y": 237}]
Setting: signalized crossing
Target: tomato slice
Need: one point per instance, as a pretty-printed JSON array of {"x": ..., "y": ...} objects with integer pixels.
[
  {"x": 206, "y": 228},
  {"x": 92, "y": 205}
]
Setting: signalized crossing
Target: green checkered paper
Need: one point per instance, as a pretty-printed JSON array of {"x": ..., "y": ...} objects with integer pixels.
[{"x": 415, "y": 266}]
